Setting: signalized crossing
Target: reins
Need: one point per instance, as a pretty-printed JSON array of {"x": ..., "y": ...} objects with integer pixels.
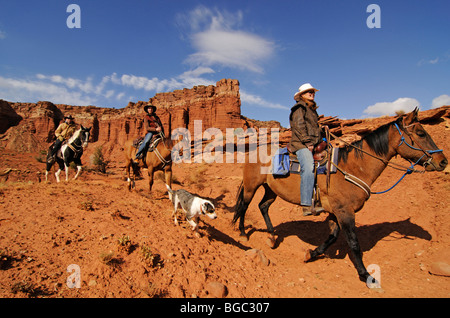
[{"x": 408, "y": 170}]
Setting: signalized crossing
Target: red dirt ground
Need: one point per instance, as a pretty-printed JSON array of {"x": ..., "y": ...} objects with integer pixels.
[{"x": 45, "y": 227}]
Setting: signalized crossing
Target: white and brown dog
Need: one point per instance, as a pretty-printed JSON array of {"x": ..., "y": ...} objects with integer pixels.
[{"x": 192, "y": 205}]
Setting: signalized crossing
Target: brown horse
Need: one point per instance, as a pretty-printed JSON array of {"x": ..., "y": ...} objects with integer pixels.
[
  {"x": 345, "y": 194},
  {"x": 158, "y": 159}
]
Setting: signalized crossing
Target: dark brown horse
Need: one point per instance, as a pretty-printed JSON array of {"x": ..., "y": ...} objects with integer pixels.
[
  {"x": 345, "y": 195},
  {"x": 158, "y": 159}
]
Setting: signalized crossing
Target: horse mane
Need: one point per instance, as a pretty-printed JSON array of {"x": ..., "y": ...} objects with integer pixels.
[{"x": 377, "y": 140}]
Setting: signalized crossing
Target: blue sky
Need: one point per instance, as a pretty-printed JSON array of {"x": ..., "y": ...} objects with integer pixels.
[{"x": 131, "y": 50}]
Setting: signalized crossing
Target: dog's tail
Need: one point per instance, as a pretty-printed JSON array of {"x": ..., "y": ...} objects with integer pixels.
[{"x": 170, "y": 192}]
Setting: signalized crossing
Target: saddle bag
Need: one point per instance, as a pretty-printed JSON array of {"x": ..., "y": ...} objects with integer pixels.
[{"x": 280, "y": 162}]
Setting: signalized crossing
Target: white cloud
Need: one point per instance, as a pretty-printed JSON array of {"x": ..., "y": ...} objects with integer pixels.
[
  {"x": 405, "y": 104},
  {"x": 84, "y": 86},
  {"x": 217, "y": 42},
  {"x": 24, "y": 90},
  {"x": 432, "y": 61},
  {"x": 68, "y": 90},
  {"x": 259, "y": 101},
  {"x": 187, "y": 79},
  {"x": 440, "y": 101}
]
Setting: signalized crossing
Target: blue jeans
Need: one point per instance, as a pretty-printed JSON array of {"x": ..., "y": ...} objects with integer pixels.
[
  {"x": 306, "y": 160},
  {"x": 144, "y": 144}
]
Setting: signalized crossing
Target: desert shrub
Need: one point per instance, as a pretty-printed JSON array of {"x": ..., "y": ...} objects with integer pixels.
[
  {"x": 87, "y": 205},
  {"x": 108, "y": 259},
  {"x": 124, "y": 244},
  {"x": 99, "y": 161},
  {"x": 151, "y": 259}
]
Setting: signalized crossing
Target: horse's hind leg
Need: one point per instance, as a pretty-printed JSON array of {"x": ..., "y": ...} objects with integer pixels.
[
  {"x": 244, "y": 198},
  {"x": 268, "y": 198},
  {"x": 47, "y": 170},
  {"x": 334, "y": 233},
  {"x": 57, "y": 173}
]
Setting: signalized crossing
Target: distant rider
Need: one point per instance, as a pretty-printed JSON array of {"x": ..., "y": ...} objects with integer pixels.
[
  {"x": 64, "y": 131},
  {"x": 152, "y": 125}
]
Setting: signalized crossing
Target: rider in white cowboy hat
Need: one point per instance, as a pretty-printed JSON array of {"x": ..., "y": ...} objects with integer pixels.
[
  {"x": 306, "y": 133},
  {"x": 305, "y": 88}
]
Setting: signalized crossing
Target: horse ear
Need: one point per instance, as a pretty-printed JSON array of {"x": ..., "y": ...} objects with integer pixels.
[
  {"x": 82, "y": 128},
  {"x": 412, "y": 117}
]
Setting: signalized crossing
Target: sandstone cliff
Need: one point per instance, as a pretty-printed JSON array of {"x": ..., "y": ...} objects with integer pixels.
[{"x": 31, "y": 126}]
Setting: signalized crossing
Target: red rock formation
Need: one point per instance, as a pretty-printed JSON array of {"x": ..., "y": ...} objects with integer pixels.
[
  {"x": 216, "y": 106},
  {"x": 8, "y": 116},
  {"x": 30, "y": 127}
]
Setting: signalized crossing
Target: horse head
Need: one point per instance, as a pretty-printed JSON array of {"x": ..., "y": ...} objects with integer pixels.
[
  {"x": 417, "y": 145},
  {"x": 84, "y": 136}
]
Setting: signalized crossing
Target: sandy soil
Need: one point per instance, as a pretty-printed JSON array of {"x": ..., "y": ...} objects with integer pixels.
[{"x": 45, "y": 227}]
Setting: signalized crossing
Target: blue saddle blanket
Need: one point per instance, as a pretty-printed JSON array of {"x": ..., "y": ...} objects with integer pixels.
[{"x": 283, "y": 164}]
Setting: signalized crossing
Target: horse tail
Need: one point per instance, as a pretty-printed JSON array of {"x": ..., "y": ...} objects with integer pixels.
[{"x": 240, "y": 207}]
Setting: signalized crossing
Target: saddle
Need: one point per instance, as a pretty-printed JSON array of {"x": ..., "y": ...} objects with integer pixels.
[
  {"x": 325, "y": 161},
  {"x": 152, "y": 144},
  {"x": 322, "y": 155}
]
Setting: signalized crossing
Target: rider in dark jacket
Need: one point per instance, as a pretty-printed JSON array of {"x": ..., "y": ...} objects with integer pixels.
[
  {"x": 152, "y": 125},
  {"x": 306, "y": 134}
]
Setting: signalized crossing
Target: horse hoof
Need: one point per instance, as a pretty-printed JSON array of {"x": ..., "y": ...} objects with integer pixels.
[
  {"x": 271, "y": 241},
  {"x": 308, "y": 256}
]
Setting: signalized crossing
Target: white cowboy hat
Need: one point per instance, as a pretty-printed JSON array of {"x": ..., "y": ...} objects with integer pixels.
[{"x": 305, "y": 87}]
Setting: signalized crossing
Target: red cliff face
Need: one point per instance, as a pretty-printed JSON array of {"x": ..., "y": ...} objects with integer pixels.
[
  {"x": 30, "y": 126},
  {"x": 216, "y": 106}
]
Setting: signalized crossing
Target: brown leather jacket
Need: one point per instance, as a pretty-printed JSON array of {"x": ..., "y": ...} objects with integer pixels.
[
  {"x": 304, "y": 122},
  {"x": 151, "y": 122},
  {"x": 65, "y": 131}
]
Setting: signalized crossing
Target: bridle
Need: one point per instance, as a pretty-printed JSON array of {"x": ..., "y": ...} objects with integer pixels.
[
  {"x": 427, "y": 153},
  {"x": 364, "y": 186}
]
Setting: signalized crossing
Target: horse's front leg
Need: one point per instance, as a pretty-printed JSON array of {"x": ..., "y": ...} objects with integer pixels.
[
  {"x": 168, "y": 176},
  {"x": 79, "y": 168},
  {"x": 66, "y": 169},
  {"x": 347, "y": 223}
]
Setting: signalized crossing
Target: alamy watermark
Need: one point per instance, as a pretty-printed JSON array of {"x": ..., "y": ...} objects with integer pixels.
[
  {"x": 235, "y": 146},
  {"x": 74, "y": 279},
  {"x": 374, "y": 19},
  {"x": 374, "y": 280},
  {"x": 74, "y": 19}
]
